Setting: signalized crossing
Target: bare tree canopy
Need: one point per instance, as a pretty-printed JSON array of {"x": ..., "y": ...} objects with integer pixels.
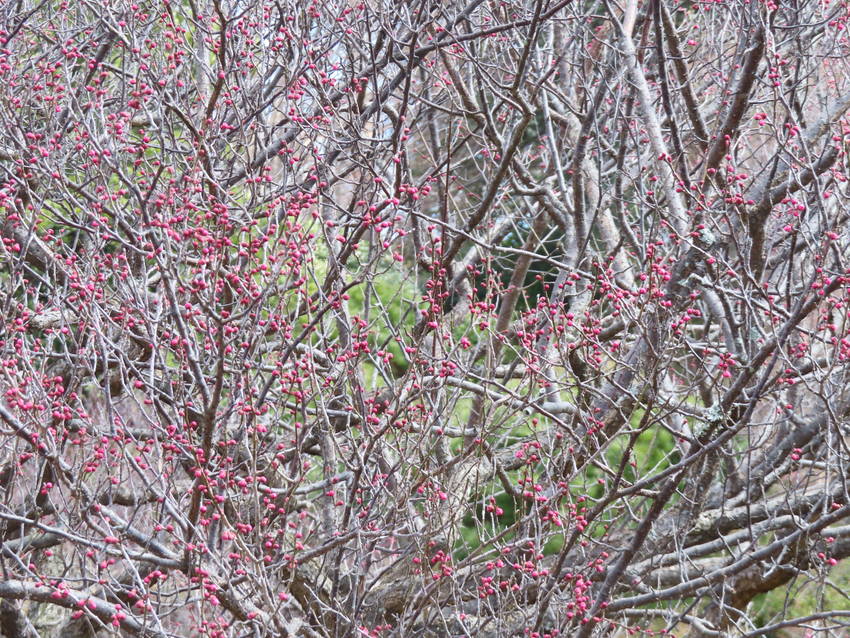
[{"x": 484, "y": 318}]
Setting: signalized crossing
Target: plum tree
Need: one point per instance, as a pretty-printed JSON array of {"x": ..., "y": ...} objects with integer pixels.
[{"x": 373, "y": 318}]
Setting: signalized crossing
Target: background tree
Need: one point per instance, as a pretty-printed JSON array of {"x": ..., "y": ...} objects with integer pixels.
[{"x": 424, "y": 319}]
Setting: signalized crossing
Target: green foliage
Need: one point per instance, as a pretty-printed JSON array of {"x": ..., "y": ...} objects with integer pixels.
[
  {"x": 390, "y": 300},
  {"x": 804, "y": 596}
]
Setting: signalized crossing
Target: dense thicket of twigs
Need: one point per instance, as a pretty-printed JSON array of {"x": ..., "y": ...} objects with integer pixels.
[{"x": 483, "y": 318}]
